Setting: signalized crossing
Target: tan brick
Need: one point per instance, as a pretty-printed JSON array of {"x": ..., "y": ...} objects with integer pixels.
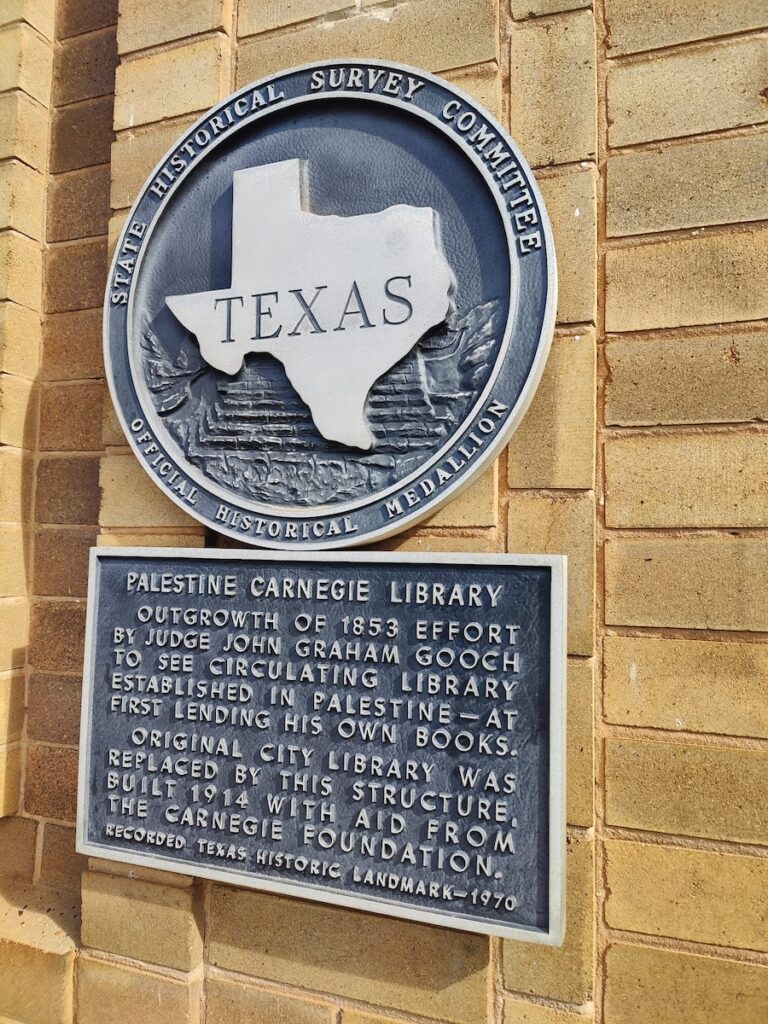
[
  {"x": 717, "y": 378},
  {"x": 21, "y": 269},
  {"x": 687, "y": 479},
  {"x": 433, "y": 34},
  {"x": 159, "y": 924},
  {"x": 10, "y": 782},
  {"x": 483, "y": 83},
  {"x": 712, "y": 792},
  {"x": 566, "y": 972},
  {"x": 130, "y": 498},
  {"x": 690, "y": 184},
  {"x": 580, "y": 750},
  {"x": 704, "y": 279},
  {"x": 416, "y": 540},
  {"x": 85, "y": 67},
  {"x": 75, "y": 276},
  {"x": 23, "y": 129},
  {"x": 263, "y": 935},
  {"x": 660, "y": 986},
  {"x": 561, "y": 525},
  {"x": 650, "y": 24},
  {"x": 112, "y": 435},
  {"x": 262, "y": 15},
  {"x": 356, "y": 1017},
  {"x": 699, "y": 895},
  {"x": 38, "y": 13},
  {"x": 61, "y": 562},
  {"x": 232, "y": 1002},
  {"x": 58, "y": 632},
  {"x": 67, "y": 490},
  {"x": 554, "y": 446},
  {"x": 17, "y": 411},
  {"x": 61, "y": 866},
  {"x": 687, "y": 684},
  {"x": 199, "y": 72},
  {"x": 50, "y": 782},
  {"x": 14, "y": 547},
  {"x": 553, "y": 111},
  {"x": 686, "y": 582},
  {"x": 518, "y": 1012},
  {"x": 77, "y": 16},
  {"x": 110, "y": 993},
  {"x": 571, "y": 202},
  {"x": 17, "y": 839},
  {"x": 14, "y": 632},
  {"x": 701, "y": 90},
  {"x": 37, "y": 939},
  {"x": 78, "y": 204},
  {"x": 477, "y": 505},
  {"x": 26, "y": 62},
  {"x": 81, "y": 135},
  {"x": 53, "y": 714},
  {"x": 143, "y": 24},
  {"x": 134, "y": 156},
  {"x": 22, "y": 198},
  {"x": 70, "y": 416},
  {"x": 16, "y": 492},
  {"x": 11, "y": 707},
  {"x": 19, "y": 340},
  {"x": 151, "y": 539},
  {"x": 72, "y": 345},
  {"x": 138, "y": 871}
]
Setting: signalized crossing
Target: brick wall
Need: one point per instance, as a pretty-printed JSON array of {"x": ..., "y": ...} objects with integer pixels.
[{"x": 642, "y": 457}]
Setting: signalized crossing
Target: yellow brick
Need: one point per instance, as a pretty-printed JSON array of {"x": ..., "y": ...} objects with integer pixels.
[
  {"x": 14, "y": 545},
  {"x": 14, "y": 632},
  {"x": 416, "y": 540},
  {"x": 701, "y": 90},
  {"x": 155, "y": 923},
  {"x": 15, "y": 494},
  {"x": 659, "y": 986},
  {"x": 19, "y": 340},
  {"x": 433, "y": 34},
  {"x": 21, "y": 269},
  {"x": 37, "y": 930},
  {"x": 130, "y": 498},
  {"x": 187, "y": 78},
  {"x": 518, "y": 1012},
  {"x": 23, "y": 129},
  {"x": 414, "y": 965},
  {"x": 553, "y": 112},
  {"x": 263, "y": 15},
  {"x": 38, "y": 13},
  {"x": 138, "y": 871},
  {"x": 232, "y": 1002},
  {"x": 134, "y": 156},
  {"x": 700, "y": 895},
  {"x": 699, "y": 686},
  {"x": 477, "y": 505},
  {"x": 712, "y": 792},
  {"x": 143, "y": 23},
  {"x": 10, "y": 780},
  {"x": 686, "y": 582},
  {"x": 108, "y": 993},
  {"x": 689, "y": 184},
  {"x": 554, "y": 446},
  {"x": 648, "y": 24},
  {"x": 566, "y": 972},
  {"x": 483, "y": 83},
  {"x": 26, "y": 62},
  {"x": 705, "y": 279},
  {"x": 695, "y": 379},
  {"x": 580, "y": 751},
  {"x": 17, "y": 411},
  {"x": 571, "y": 202},
  {"x": 11, "y": 708},
  {"x": 355, "y": 1017},
  {"x": 561, "y": 525},
  {"x": 687, "y": 479},
  {"x": 151, "y": 539},
  {"x": 22, "y": 198}
]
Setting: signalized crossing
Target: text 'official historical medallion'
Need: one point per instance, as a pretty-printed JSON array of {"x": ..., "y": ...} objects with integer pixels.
[{"x": 330, "y": 305}]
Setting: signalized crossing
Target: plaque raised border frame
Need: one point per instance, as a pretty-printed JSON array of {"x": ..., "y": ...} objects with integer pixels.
[{"x": 557, "y": 564}]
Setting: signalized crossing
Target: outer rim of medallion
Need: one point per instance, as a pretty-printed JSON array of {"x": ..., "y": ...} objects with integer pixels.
[{"x": 313, "y": 525}]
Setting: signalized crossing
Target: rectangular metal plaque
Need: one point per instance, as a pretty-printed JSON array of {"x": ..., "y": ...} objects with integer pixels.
[{"x": 380, "y": 731}]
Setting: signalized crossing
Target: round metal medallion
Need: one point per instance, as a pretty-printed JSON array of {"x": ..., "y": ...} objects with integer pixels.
[{"x": 330, "y": 305}]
